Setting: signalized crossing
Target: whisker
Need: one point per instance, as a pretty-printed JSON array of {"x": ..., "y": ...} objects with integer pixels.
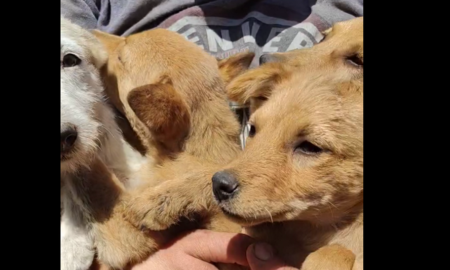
[{"x": 270, "y": 215}]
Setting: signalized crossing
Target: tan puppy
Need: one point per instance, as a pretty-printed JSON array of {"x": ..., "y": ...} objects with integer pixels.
[
  {"x": 299, "y": 183},
  {"x": 173, "y": 96},
  {"x": 147, "y": 70},
  {"x": 302, "y": 169}
]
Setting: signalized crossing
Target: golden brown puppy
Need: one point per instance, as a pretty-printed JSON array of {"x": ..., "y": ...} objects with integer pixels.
[
  {"x": 173, "y": 97},
  {"x": 299, "y": 183},
  {"x": 147, "y": 69},
  {"x": 301, "y": 174}
]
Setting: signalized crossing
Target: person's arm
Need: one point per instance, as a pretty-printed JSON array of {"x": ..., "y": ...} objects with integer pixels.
[{"x": 82, "y": 12}]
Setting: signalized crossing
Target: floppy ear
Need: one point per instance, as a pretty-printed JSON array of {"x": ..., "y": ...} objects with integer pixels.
[
  {"x": 256, "y": 83},
  {"x": 99, "y": 54},
  {"x": 109, "y": 41},
  {"x": 327, "y": 31},
  {"x": 272, "y": 58},
  {"x": 234, "y": 65},
  {"x": 163, "y": 112}
]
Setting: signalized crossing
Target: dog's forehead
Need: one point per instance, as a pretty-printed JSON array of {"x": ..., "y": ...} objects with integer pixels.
[
  {"x": 298, "y": 102},
  {"x": 70, "y": 45},
  {"x": 302, "y": 106},
  {"x": 76, "y": 40}
]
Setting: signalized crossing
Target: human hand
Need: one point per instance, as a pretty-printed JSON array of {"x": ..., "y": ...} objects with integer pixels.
[
  {"x": 261, "y": 256},
  {"x": 198, "y": 250}
]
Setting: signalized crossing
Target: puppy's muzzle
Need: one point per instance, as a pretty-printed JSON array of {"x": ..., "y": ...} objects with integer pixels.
[
  {"x": 68, "y": 138},
  {"x": 224, "y": 185}
]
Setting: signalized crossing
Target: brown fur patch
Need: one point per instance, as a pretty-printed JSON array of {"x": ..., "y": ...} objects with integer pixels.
[{"x": 163, "y": 111}]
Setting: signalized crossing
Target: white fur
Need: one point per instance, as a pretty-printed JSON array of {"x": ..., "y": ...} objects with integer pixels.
[
  {"x": 77, "y": 244},
  {"x": 83, "y": 105}
]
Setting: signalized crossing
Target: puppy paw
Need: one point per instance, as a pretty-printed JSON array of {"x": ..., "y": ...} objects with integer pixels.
[
  {"x": 331, "y": 257},
  {"x": 152, "y": 210}
]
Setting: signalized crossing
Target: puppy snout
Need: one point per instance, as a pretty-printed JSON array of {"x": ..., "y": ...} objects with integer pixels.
[
  {"x": 68, "y": 138},
  {"x": 225, "y": 185}
]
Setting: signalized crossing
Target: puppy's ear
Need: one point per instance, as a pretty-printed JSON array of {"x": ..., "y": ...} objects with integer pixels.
[
  {"x": 109, "y": 41},
  {"x": 327, "y": 31},
  {"x": 256, "y": 83},
  {"x": 271, "y": 58},
  {"x": 234, "y": 65},
  {"x": 99, "y": 54},
  {"x": 163, "y": 112}
]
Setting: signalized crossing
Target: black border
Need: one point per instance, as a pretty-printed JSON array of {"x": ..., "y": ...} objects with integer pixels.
[
  {"x": 31, "y": 111},
  {"x": 398, "y": 174}
]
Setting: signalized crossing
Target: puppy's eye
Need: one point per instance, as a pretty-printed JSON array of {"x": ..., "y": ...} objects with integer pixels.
[
  {"x": 261, "y": 98},
  {"x": 70, "y": 60},
  {"x": 308, "y": 148},
  {"x": 251, "y": 130},
  {"x": 355, "y": 61}
]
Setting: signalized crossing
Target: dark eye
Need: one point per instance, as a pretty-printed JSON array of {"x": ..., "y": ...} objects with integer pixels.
[
  {"x": 251, "y": 130},
  {"x": 261, "y": 98},
  {"x": 70, "y": 60},
  {"x": 308, "y": 148},
  {"x": 355, "y": 61}
]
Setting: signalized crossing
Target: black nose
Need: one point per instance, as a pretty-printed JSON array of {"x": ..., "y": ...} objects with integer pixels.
[
  {"x": 266, "y": 58},
  {"x": 68, "y": 139},
  {"x": 224, "y": 185}
]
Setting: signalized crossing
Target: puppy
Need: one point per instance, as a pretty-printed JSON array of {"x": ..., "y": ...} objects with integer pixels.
[
  {"x": 175, "y": 102},
  {"x": 299, "y": 183},
  {"x": 175, "y": 105},
  {"x": 94, "y": 158}
]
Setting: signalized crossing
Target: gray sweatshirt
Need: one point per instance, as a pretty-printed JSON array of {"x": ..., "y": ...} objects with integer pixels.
[{"x": 221, "y": 27}]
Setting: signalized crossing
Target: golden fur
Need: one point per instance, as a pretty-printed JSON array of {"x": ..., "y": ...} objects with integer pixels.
[
  {"x": 295, "y": 196},
  {"x": 173, "y": 98},
  {"x": 301, "y": 174}
]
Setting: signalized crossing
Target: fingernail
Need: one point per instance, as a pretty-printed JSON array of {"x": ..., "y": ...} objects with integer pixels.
[{"x": 263, "y": 251}]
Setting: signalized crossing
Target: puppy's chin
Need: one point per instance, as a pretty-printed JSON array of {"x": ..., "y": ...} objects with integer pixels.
[
  {"x": 251, "y": 213},
  {"x": 248, "y": 217}
]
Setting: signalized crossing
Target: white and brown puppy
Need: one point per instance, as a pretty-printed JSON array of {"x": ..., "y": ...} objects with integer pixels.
[{"x": 91, "y": 144}]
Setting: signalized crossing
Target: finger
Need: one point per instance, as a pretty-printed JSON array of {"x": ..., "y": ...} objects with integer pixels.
[
  {"x": 173, "y": 261},
  {"x": 217, "y": 247},
  {"x": 198, "y": 264},
  {"x": 261, "y": 256}
]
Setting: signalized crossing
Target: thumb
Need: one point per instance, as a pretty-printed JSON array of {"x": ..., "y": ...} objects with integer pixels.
[{"x": 261, "y": 256}]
